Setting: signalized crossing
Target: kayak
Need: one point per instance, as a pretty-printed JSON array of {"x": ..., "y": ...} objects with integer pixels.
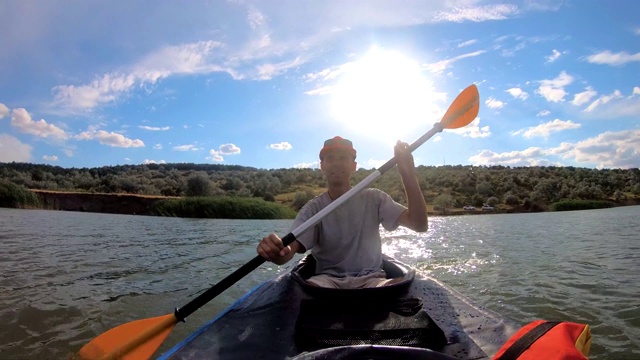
[{"x": 287, "y": 318}]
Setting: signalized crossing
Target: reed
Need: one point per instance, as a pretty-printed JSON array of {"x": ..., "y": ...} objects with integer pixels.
[
  {"x": 222, "y": 207},
  {"x": 568, "y": 205},
  {"x": 17, "y": 196}
]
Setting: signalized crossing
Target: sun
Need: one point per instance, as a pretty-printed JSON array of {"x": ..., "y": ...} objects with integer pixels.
[{"x": 384, "y": 94}]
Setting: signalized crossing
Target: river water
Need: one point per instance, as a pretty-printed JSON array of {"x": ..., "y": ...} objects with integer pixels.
[{"x": 66, "y": 277}]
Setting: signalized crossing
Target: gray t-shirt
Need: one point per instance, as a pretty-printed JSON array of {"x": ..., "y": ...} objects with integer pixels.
[{"x": 347, "y": 241}]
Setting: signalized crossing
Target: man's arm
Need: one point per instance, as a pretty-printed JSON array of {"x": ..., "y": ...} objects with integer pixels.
[{"x": 415, "y": 217}]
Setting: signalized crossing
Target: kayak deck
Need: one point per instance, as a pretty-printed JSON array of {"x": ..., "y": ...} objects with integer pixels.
[{"x": 262, "y": 323}]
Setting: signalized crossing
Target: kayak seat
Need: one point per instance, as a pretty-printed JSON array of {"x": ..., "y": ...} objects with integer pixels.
[{"x": 306, "y": 268}]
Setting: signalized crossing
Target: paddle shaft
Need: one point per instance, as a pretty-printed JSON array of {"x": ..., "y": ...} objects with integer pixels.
[{"x": 244, "y": 270}]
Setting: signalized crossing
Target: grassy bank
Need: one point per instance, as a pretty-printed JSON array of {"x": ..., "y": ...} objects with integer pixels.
[{"x": 222, "y": 208}]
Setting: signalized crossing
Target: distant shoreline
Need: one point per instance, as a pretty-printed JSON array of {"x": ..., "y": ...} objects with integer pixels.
[{"x": 134, "y": 204}]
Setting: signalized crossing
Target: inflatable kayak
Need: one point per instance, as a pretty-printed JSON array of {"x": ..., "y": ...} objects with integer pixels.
[{"x": 416, "y": 317}]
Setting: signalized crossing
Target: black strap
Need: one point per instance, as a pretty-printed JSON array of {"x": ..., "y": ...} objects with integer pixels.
[{"x": 522, "y": 344}]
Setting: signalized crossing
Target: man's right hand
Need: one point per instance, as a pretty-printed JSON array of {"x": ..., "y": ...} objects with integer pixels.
[{"x": 272, "y": 249}]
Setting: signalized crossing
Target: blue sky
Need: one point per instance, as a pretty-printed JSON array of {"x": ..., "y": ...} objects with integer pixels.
[{"x": 264, "y": 83}]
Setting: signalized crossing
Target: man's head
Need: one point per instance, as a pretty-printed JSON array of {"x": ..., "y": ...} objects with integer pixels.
[{"x": 337, "y": 145}]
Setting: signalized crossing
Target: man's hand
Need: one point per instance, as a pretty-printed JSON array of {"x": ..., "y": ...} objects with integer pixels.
[
  {"x": 272, "y": 249},
  {"x": 404, "y": 159}
]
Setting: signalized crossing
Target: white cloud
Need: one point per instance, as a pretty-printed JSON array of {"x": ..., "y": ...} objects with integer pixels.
[
  {"x": 22, "y": 121},
  {"x": 313, "y": 165},
  {"x": 152, "y": 128},
  {"x": 543, "y": 113},
  {"x": 553, "y": 90},
  {"x": 280, "y": 146},
  {"x": 546, "y": 129},
  {"x": 148, "y": 161},
  {"x": 441, "y": 66},
  {"x": 609, "y": 58},
  {"x": 229, "y": 149},
  {"x": 467, "y": 43},
  {"x": 555, "y": 54},
  {"x": 607, "y": 150},
  {"x": 615, "y": 105},
  {"x": 477, "y": 14},
  {"x": 171, "y": 60},
  {"x": 51, "y": 158},
  {"x": 110, "y": 138},
  {"x": 473, "y": 130},
  {"x": 157, "y": 146},
  {"x": 494, "y": 104},
  {"x": 189, "y": 147},
  {"x": 518, "y": 93},
  {"x": 215, "y": 156},
  {"x": 11, "y": 149},
  {"x": 604, "y": 99},
  {"x": 4, "y": 110},
  {"x": 584, "y": 97},
  {"x": 636, "y": 31}
]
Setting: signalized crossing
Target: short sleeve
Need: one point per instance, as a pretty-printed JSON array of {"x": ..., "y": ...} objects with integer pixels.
[{"x": 389, "y": 211}]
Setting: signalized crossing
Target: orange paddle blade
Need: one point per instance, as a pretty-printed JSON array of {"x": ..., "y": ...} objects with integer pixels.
[
  {"x": 135, "y": 340},
  {"x": 463, "y": 109}
]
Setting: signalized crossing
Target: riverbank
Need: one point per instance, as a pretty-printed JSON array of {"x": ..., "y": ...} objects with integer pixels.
[{"x": 131, "y": 204}]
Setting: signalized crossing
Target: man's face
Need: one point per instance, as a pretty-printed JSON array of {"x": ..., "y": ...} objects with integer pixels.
[{"x": 337, "y": 166}]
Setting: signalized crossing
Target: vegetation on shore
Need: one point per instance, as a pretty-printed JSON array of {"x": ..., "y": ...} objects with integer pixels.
[
  {"x": 202, "y": 187},
  {"x": 222, "y": 208}
]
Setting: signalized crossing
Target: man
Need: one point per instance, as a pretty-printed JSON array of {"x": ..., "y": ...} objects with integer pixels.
[{"x": 346, "y": 243}]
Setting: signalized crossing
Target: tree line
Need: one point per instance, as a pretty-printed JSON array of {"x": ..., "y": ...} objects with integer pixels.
[{"x": 444, "y": 186}]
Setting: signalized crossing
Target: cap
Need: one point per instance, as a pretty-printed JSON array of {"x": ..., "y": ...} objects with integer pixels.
[{"x": 337, "y": 143}]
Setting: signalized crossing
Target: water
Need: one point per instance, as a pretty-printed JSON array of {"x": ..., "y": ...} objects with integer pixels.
[{"x": 66, "y": 277}]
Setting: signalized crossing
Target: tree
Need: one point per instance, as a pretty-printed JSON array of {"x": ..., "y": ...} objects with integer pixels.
[
  {"x": 444, "y": 201},
  {"x": 198, "y": 185}
]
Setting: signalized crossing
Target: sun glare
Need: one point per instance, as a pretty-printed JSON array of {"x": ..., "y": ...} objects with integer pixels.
[{"x": 384, "y": 94}]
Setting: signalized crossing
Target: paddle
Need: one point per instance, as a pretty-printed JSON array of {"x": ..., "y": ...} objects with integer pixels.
[{"x": 141, "y": 338}]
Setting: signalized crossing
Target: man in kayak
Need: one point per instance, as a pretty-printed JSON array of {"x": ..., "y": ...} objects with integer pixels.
[{"x": 346, "y": 243}]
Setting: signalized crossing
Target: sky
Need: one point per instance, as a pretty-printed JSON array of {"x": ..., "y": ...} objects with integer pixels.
[{"x": 264, "y": 83}]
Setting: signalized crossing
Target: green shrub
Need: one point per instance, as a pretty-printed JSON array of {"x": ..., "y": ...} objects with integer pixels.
[
  {"x": 567, "y": 205},
  {"x": 17, "y": 196},
  {"x": 224, "y": 207}
]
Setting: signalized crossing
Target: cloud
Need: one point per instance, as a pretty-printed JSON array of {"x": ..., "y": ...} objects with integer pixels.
[
  {"x": 109, "y": 138},
  {"x": 602, "y": 100},
  {"x": 157, "y": 146},
  {"x": 229, "y": 149},
  {"x": 607, "y": 150},
  {"x": 467, "y": 43},
  {"x": 440, "y": 66},
  {"x": 51, "y": 158},
  {"x": 148, "y": 161},
  {"x": 584, "y": 97},
  {"x": 615, "y": 105},
  {"x": 184, "y": 59},
  {"x": 555, "y": 54},
  {"x": 152, "y": 128},
  {"x": 608, "y": 58},
  {"x": 546, "y": 129},
  {"x": 477, "y": 14},
  {"x": 473, "y": 130},
  {"x": 280, "y": 146},
  {"x": 494, "y": 104},
  {"x": 11, "y": 149},
  {"x": 312, "y": 165},
  {"x": 543, "y": 113},
  {"x": 518, "y": 93},
  {"x": 553, "y": 90},
  {"x": 4, "y": 110},
  {"x": 215, "y": 156},
  {"x": 22, "y": 121},
  {"x": 189, "y": 147}
]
